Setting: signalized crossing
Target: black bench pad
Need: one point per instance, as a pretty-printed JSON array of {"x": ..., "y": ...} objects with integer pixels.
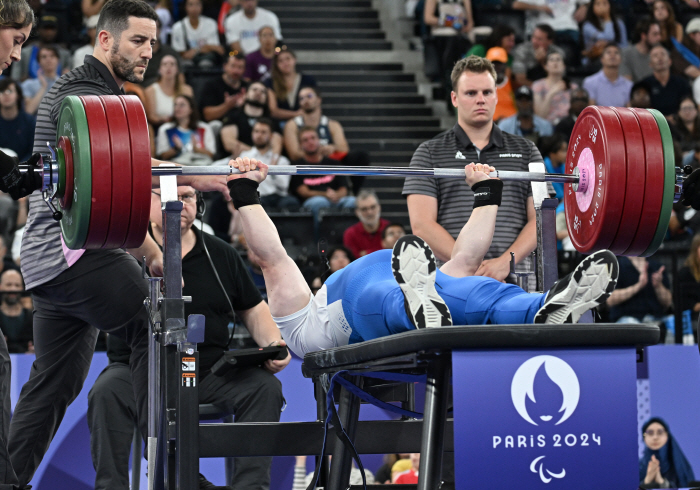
[{"x": 485, "y": 337}]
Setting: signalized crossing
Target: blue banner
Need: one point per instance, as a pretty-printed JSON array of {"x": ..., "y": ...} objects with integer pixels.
[{"x": 545, "y": 419}]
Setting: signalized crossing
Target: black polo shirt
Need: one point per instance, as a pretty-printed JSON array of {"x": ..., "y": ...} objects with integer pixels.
[
  {"x": 667, "y": 99},
  {"x": 207, "y": 297},
  {"x": 454, "y": 149}
]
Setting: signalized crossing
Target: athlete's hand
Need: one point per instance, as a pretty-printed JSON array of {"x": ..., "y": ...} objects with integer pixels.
[
  {"x": 250, "y": 168},
  {"x": 275, "y": 366},
  {"x": 14, "y": 182},
  {"x": 498, "y": 268},
  {"x": 476, "y": 172}
]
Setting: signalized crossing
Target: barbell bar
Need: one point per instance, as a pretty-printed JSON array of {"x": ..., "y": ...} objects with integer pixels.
[{"x": 620, "y": 179}]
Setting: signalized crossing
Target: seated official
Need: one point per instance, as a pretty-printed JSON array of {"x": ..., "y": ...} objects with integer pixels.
[
  {"x": 391, "y": 292},
  {"x": 252, "y": 394}
]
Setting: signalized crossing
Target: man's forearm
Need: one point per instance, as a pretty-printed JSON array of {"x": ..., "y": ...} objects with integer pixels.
[
  {"x": 525, "y": 244},
  {"x": 260, "y": 324},
  {"x": 440, "y": 241},
  {"x": 215, "y": 112}
]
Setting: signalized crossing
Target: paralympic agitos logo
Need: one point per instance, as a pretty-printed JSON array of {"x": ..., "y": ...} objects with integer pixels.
[{"x": 561, "y": 376}]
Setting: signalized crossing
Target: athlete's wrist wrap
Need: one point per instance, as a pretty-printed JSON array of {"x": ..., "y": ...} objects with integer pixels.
[
  {"x": 244, "y": 192},
  {"x": 487, "y": 192}
]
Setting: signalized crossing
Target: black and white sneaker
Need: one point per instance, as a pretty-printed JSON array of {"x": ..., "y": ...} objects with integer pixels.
[
  {"x": 588, "y": 286},
  {"x": 413, "y": 265}
]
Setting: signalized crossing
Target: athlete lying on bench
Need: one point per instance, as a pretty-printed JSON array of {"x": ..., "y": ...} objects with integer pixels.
[{"x": 392, "y": 291}]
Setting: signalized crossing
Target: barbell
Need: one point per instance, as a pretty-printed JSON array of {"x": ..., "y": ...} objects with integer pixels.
[{"x": 620, "y": 177}]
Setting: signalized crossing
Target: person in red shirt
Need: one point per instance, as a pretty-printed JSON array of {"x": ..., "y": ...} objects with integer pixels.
[
  {"x": 366, "y": 236},
  {"x": 410, "y": 475}
]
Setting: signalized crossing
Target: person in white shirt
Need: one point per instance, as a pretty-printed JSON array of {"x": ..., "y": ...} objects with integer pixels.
[
  {"x": 196, "y": 37},
  {"x": 91, "y": 29},
  {"x": 243, "y": 26},
  {"x": 273, "y": 190}
]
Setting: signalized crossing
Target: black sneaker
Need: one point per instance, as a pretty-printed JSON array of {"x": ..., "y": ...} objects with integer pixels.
[
  {"x": 413, "y": 265},
  {"x": 205, "y": 484},
  {"x": 588, "y": 286}
]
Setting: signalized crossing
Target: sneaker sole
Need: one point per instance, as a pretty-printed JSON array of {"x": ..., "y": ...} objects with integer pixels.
[
  {"x": 592, "y": 282},
  {"x": 413, "y": 266}
]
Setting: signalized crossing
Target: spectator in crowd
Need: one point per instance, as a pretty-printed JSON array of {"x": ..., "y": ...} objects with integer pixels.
[
  {"x": 665, "y": 89},
  {"x": 91, "y": 31},
  {"x": 579, "y": 101},
  {"x": 284, "y": 85},
  {"x": 91, "y": 7},
  {"x": 322, "y": 192},
  {"x": 607, "y": 87},
  {"x": 258, "y": 64},
  {"x": 686, "y": 124},
  {"x": 196, "y": 39},
  {"x": 563, "y": 16},
  {"x": 526, "y": 123},
  {"x": 601, "y": 27},
  {"x": 391, "y": 234},
  {"x": 640, "y": 96},
  {"x": 255, "y": 269},
  {"x": 365, "y": 236},
  {"x": 160, "y": 50},
  {"x": 664, "y": 14},
  {"x": 16, "y": 126},
  {"x": 226, "y": 93},
  {"x": 504, "y": 88},
  {"x": 411, "y": 475},
  {"x": 237, "y": 130},
  {"x": 439, "y": 209},
  {"x": 689, "y": 281},
  {"x": 449, "y": 21},
  {"x": 339, "y": 257},
  {"x": 242, "y": 28},
  {"x": 383, "y": 474},
  {"x": 35, "y": 88},
  {"x": 684, "y": 56},
  {"x": 331, "y": 134},
  {"x": 663, "y": 464},
  {"x": 502, "y": 36},
  {"x": 15, "y": 319},
  {"x": 529, "y": 57},
  {"x": 635, "y": 58},
  {"x": 553, "y": 149},
  {"x": 302, "y": 480},
  {"x": 216, "y": 279},
  {"x": 160, "y": 96},
  {"x": 642, "y": 294},
  {"x": 165, "y": 20},
  {"x": 47, "y": 34},
  {"x": 274, "y": 190},
  {"x": 186, "y": 140},
  {"x": 552, "y": 95}
]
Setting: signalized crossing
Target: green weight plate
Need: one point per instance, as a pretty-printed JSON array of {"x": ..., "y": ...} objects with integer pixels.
[
  {"x": 72, "y": 123},
  {"x": 669, "y": 183},
  {"x": 65, "y": 171}
]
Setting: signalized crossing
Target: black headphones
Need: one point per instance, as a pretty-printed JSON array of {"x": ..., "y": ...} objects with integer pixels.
[{"x": 201, "y": 205}]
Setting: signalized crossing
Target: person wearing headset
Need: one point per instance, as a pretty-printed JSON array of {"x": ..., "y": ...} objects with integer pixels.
[{"x": 219, "y": 284}]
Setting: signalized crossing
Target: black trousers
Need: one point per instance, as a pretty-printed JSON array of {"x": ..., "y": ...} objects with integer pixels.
[
  {"x": 252, "y": 394},
  {"x": 103, "y": 290}
]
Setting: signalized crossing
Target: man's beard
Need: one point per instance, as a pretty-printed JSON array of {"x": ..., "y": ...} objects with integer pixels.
[
  {"x": 11, "y": 299},
  {"x": 123, "y": 68},
  {"x": 255, "y": 103},
  {"x": 308, "y": 110},
  {"x": 261, "y": 146}
]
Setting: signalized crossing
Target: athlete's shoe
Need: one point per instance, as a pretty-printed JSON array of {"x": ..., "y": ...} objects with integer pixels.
[
  {"x": 413, "y": 265},
  {"x": 588, "y": 286}
]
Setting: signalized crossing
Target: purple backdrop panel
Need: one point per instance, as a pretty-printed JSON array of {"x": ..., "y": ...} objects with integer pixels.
[{"x": 543, "y": 419}]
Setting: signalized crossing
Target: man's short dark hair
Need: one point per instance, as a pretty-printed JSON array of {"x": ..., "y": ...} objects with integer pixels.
[
  {"x": 474, "y": 64},
  {"x": 315, "y": 90},
  {"x": 547, "y": 29},
  {"x": 49, "y": 47},
  {"x": 611, "y": 44},
  {"x": 266, "y": 121},
  {"x": 662, "y": 47},
  {"x": 307, "y": 129},
  {"x": 642, "y": 27},
  {"x": 114, "y": 16},
  {"x": 640, "y": 85},
  {"x": 236, "y": 55}
]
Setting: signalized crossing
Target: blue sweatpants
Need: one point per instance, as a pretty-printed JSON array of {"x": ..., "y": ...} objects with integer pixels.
[{"x": 373, "y": 303}]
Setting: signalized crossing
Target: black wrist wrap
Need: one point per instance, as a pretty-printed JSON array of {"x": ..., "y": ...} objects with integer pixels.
[
  {"x": 487, "y": 192},
  {"x": 244, "y": 192}
]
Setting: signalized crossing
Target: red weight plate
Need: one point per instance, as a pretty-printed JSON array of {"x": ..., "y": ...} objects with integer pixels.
[
  {"x": 101, "y": 156},
  {"x": 67, "y": 199},
  {"x": 636, "y": 180},
  {"x": 597, "y": 146},
  {"x": 121, "y": 171},
  {"x": 140, "y": 169},
  {"x": 654, "y": 188}
]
